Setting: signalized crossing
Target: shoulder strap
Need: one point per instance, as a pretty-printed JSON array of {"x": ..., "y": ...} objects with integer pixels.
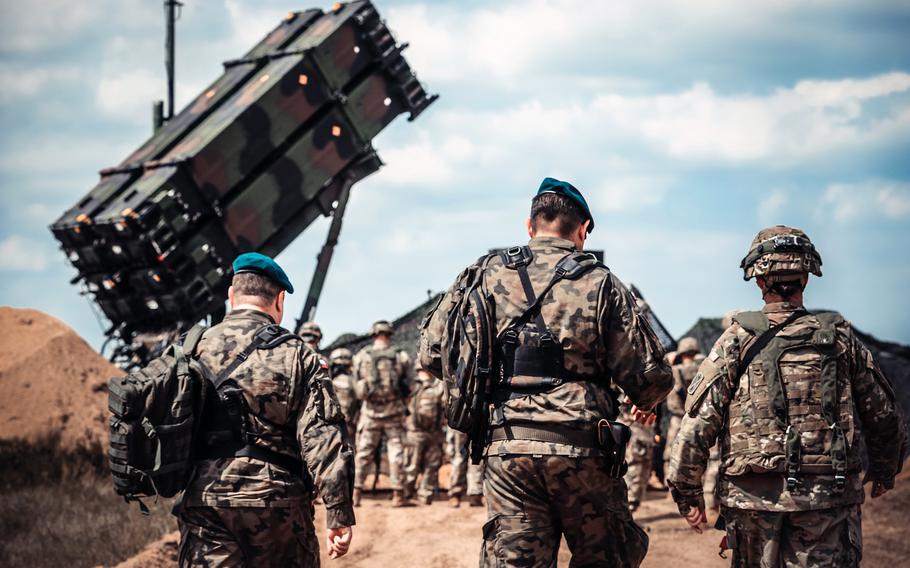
[
  {"x": 568, "y": 267},
  {"x": 267, "y": 337},
  {"x": 762, "y": 341},
  {"x": 191, "y": 341},
  {"x": 754, "y": 322}
]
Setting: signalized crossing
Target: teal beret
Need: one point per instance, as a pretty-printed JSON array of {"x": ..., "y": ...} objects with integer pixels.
[
  {"x": 261, "y": 264},
  {"x": 551, "y": 185}
]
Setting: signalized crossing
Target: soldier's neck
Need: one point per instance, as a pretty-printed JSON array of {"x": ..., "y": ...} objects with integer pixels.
[{"x": 795, "y": 300}]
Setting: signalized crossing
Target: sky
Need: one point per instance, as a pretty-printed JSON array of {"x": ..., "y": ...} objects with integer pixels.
[{"x": 688, "y": 125}]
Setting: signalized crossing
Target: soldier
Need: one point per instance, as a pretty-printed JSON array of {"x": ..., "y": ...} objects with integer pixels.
[
  {"x": 425, "y": 437},
  {"x": 250, "y": 501},
  {"x": 383, "y": 380},
  {"x": 343, "y": 381},
  {"x": 311, "y": 334},
  {"x": 684, "y": 370},
  {"x": 785, "y": 390},
  {"x": 465, "y": 478},
  {"x": 639, "y": 453},
  {"x": 546, "y": 471}
]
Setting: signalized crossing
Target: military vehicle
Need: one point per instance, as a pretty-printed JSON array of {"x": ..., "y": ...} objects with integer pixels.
[{"x": 274, "y": 143}]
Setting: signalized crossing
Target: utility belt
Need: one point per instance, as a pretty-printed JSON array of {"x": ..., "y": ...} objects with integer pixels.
[{"x": 611, "y": 438}]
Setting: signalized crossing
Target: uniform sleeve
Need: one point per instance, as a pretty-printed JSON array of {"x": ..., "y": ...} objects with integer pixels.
[
  {"x": 635, "y": 358},
  {"x": 881, "y": 417},
  {"x": 356, "y": 377},
  {"x": 706, "y": 406},
  {"x": 323, "y": 442}
]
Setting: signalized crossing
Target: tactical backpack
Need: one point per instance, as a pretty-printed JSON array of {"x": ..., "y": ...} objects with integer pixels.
[
  {"x": 174, "y": 411},
  {"x": 154, "y": 420},
  {"x": 375, "y": 389},
  {"x": 478, "y": 363},
  {"x": 426, "y": 408}
]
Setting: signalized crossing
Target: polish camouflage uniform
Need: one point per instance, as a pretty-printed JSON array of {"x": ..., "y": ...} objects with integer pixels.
[
  {"x": 789, "y": 426},
  {"x": 343, "y": 381},
  {"x": 466, "y": 478},
  {"x": 383, "y": 379},
  {"x": 537, "y": 491},
  {"x": 425, "y": 437},
  {"x": 639, "y": 455},
  {"x": 239, "y": 511}
]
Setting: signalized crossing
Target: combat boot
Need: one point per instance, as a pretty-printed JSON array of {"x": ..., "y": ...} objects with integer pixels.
[
  {"x": 399, "y": 500},
  {"x": 455, "y": 502},
  {"x": 475, "y": 500},
  {"x": 356, "y": 497}
]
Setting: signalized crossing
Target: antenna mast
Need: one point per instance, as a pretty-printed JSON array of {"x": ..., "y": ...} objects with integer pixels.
[{"x": 172, "y": 13}]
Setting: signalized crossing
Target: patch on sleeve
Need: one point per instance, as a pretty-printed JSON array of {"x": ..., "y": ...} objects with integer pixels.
[
  {"x": 714, "y": 356},
  {"x": 323, "y": 364}
]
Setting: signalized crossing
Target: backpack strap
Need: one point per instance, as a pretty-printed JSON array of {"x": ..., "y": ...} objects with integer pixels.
[
  {"x": 191, "y": 340},
  {"x": 825, "y": 340},
  {"x": 266, "y": 337}
]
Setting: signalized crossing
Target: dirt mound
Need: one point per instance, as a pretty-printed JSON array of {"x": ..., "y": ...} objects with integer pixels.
[
  {"x": 160, "y": 554},
  {"x": 53, "y": 385}
]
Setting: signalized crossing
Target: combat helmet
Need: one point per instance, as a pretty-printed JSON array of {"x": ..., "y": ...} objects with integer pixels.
[
  {"x": 312, "y": 330},
  {"x": 341, "y": 356},
  {"x": 382, "y": 326},
  {"x": 687, "y": 345},
  {"x": 781, "y": 252}
]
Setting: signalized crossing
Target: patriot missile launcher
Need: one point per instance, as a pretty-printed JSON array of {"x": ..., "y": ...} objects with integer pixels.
[{"x": 274, "y": 143}]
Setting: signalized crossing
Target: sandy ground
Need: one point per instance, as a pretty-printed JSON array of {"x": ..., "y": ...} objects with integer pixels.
[{"x": 53, "y": 385}]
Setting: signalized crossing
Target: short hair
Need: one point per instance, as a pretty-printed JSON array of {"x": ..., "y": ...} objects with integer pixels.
[
  {"x": 257, "y": 285},
  {"x": 557, "y": 209}
]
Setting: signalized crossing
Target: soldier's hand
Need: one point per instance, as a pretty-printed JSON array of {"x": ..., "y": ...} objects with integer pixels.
[
  {"x": 339, "y": 541},
  {"x": 697, "y": 519},
  {"x": 643, "y": 416}
]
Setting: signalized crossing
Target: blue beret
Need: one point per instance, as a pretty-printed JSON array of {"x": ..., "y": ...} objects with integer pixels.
[
  {"x": 261, "y": 264},
  {"x": 551, "y": 185}
]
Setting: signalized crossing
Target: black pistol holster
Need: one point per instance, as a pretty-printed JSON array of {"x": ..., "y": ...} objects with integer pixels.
[{"x": 613, "y": 438}]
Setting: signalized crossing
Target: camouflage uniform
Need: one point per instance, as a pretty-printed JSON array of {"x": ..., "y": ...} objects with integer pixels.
[
  {"x": 466, "y": 478},
  {"x": 683, "y": 373},
  {"x": 788, "y": 425},
  {"x": 639, "y": 454},
  {"x": 343, "y": 382},
  {"x": 537, "y": 491},
  {"x": 241, "y": 511},
  {"x": 425, "y": 438},
  {"x": 383, "y": 378}
]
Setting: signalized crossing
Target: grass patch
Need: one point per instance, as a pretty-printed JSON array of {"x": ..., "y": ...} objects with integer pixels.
[{"x": 61, "y": 510}]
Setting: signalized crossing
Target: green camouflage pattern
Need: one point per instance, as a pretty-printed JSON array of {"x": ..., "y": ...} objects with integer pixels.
[
  {"x": 276, "y": 537},
  {"x": 533, "y": 501},
  {"x": 729, "y": 406},
  {"x": 465, "y": 478},
  {"x": 292, "y": 410},
  {"x": 603, "y": 336},
  {"x": 806, "y": 539}
]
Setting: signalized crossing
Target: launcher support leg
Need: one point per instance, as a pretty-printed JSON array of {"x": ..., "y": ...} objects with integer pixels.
[{"x": 325, "y": 255}]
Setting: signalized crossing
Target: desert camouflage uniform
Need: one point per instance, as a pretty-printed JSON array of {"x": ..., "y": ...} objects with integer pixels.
[
  {"x": 683, "y": 373},
  {"x": 383, "y": 394},
  {"x": 639, "y": 454},
  {"x": 466, "y": 478},
  {"x": 768, "y": 524},
  {"x": 538, "y": 491},
  {"x": 245, "y": 512},
  {"x": 425, "y": 438},
  {"x": 343, "y": 382}
]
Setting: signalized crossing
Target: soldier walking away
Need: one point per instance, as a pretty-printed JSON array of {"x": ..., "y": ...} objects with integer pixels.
[
  {"x": 465, "y": 478},
  {"x": 684, "y": 370},
  {"x": 639, "y": 453},
  {"x": 383, "y": 381},
  {"x": 425, "y": 437},
  {"x": 311, "y": 334},
  {"x": 565, "y": 329},
  {"x": 274, "y": 429},
  {"x": 341, "y": 360},
  {"x": 785, "y": 391}
]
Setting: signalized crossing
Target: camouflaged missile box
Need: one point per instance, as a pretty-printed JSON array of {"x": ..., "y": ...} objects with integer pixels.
[{"x": 246, "y": 166}]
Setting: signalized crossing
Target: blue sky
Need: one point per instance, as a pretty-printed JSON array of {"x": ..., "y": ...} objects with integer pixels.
[{"x": 689, "y": 125}]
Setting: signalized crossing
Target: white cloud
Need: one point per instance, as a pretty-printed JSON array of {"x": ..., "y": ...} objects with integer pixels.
[
  {"x": 771, "y": 206},
  {"x": 888, "y": 199},
  {"x": 27, "y": 27},
  {"x": 621, "y": 194},
  {"x": 22, "y": 253}
]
